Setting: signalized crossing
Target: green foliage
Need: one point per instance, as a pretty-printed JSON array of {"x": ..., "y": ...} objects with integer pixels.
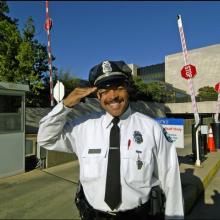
[
  {"x": 9, "y": 44},
  {"x": 28, "y": 57},
  {"x": 139, "y": 90},
  {"x": 154, "y": 91},
  {"x": 158, "y": 91},
  {"x": 3, "y": 8},
  {"x": 22, "y": 58},
  {"x": 29, "y": 30},
  {"x": 139, "y": 83},
  {"x": 207, "y": 93}
]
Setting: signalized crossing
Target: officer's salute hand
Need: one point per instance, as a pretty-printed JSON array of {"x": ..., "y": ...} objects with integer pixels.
[{"x": 76, "y": 95}]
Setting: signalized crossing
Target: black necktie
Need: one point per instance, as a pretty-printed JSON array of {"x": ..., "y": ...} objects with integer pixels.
[{"x": 113, "y": 185}]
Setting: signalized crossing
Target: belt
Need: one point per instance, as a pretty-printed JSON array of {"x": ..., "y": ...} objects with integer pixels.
[{"x": 131, "y": 213}]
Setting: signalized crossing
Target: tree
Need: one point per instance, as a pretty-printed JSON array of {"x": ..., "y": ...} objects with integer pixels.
[
  {"x": 33, "y": 64},
  {"x": 4, "y": 9},
  {"x": 140, "y": 90},
  {"x": 154, "y": 91},
  {"x": 22, "y": 58},
  {"x": 9, "y": 44},
  {"x": 158, "y": 91},
  {"x": 207, "y": 93}
]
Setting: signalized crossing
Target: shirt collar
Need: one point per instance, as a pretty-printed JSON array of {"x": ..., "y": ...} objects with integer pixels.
[{"x": 108, "y": 118}]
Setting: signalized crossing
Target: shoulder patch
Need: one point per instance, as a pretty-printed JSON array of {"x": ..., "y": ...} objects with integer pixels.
[{"x": 167, "y": 136}]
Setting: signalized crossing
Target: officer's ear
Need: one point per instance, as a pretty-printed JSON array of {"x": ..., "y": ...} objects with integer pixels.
[{"x": 98, "y": 95}]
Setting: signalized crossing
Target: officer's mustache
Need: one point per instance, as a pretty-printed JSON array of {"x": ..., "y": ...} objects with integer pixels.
[{"x": 114, "y": 100}]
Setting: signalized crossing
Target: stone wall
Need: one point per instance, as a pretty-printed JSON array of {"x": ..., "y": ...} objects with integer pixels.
[{"x": 207, "y": 62}]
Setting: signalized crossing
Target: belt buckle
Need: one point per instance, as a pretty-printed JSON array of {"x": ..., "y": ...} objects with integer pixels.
[{"x": 112, "y": 213}]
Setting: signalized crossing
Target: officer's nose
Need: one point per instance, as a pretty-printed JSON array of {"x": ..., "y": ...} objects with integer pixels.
[{"x": 112, "y": 93}]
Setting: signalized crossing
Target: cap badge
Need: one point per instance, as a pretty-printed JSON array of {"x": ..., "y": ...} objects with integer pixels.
[
  {"x": 106, "y": 67},
  {"x": 138, "y": 137}
]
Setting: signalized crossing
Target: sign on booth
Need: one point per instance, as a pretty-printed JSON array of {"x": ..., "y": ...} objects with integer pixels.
[{"x": 175, "y": 129}]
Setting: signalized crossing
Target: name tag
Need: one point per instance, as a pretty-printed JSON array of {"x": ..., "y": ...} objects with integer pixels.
[{"x": 94, "y": 151}]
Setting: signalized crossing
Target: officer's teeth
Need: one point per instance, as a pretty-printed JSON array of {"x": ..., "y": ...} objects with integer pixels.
[{"x": 114, "y": 104}]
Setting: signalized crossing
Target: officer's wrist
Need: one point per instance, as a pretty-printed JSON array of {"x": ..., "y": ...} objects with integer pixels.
[{"x": 65, "y": 104}]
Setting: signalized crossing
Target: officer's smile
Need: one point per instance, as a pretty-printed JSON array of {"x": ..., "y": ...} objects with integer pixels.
[{"x": 115, "y": 104}]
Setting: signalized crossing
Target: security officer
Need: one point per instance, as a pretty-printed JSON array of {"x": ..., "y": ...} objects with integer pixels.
[{"x": 125, "y": 157}]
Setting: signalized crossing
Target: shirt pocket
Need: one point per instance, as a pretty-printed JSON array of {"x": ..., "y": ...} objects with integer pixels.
[
  {"x": 93, "y": 164},
  {"x": 133, "y": 176}
]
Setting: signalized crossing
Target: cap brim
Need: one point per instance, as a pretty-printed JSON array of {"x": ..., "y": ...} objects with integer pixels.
[{"x": 111, "y": 81}]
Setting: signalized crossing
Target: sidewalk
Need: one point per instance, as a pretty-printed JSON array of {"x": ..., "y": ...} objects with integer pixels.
[{"x": 49, "y": 194}]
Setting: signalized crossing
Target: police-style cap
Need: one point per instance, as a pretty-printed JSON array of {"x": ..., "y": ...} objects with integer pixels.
[{"x": 109, "y": 73}]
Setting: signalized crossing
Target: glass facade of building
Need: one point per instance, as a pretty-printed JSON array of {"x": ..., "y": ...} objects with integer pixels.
[{"x": 152, "y": 73}]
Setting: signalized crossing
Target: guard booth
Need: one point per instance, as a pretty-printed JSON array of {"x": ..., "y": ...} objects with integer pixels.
[{"x": 12, "y": 128}]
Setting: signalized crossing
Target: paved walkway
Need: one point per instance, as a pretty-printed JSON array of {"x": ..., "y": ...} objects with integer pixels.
[
  {"x": 49, "y": 194},
  {"x": 40, "y": 194}
]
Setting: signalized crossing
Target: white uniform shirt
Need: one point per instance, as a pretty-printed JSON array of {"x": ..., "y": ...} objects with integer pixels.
[{"x": 88, "y": 137}]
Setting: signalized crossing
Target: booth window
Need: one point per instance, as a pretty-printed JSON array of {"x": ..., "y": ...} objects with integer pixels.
[{"x": 11, "y": 113}]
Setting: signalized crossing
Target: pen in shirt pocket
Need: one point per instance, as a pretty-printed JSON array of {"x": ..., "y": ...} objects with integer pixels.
[{"x": 129, "y": 143}]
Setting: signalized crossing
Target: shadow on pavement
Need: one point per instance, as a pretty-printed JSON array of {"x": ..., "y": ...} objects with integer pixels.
[
  {"x": 206, "y": 211},
  {"x": 189, "y": 159},
  {"x": 192, "y": 187}
]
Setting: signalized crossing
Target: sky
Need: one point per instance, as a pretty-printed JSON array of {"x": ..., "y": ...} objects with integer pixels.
[{"x": 85, "y": 33}]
